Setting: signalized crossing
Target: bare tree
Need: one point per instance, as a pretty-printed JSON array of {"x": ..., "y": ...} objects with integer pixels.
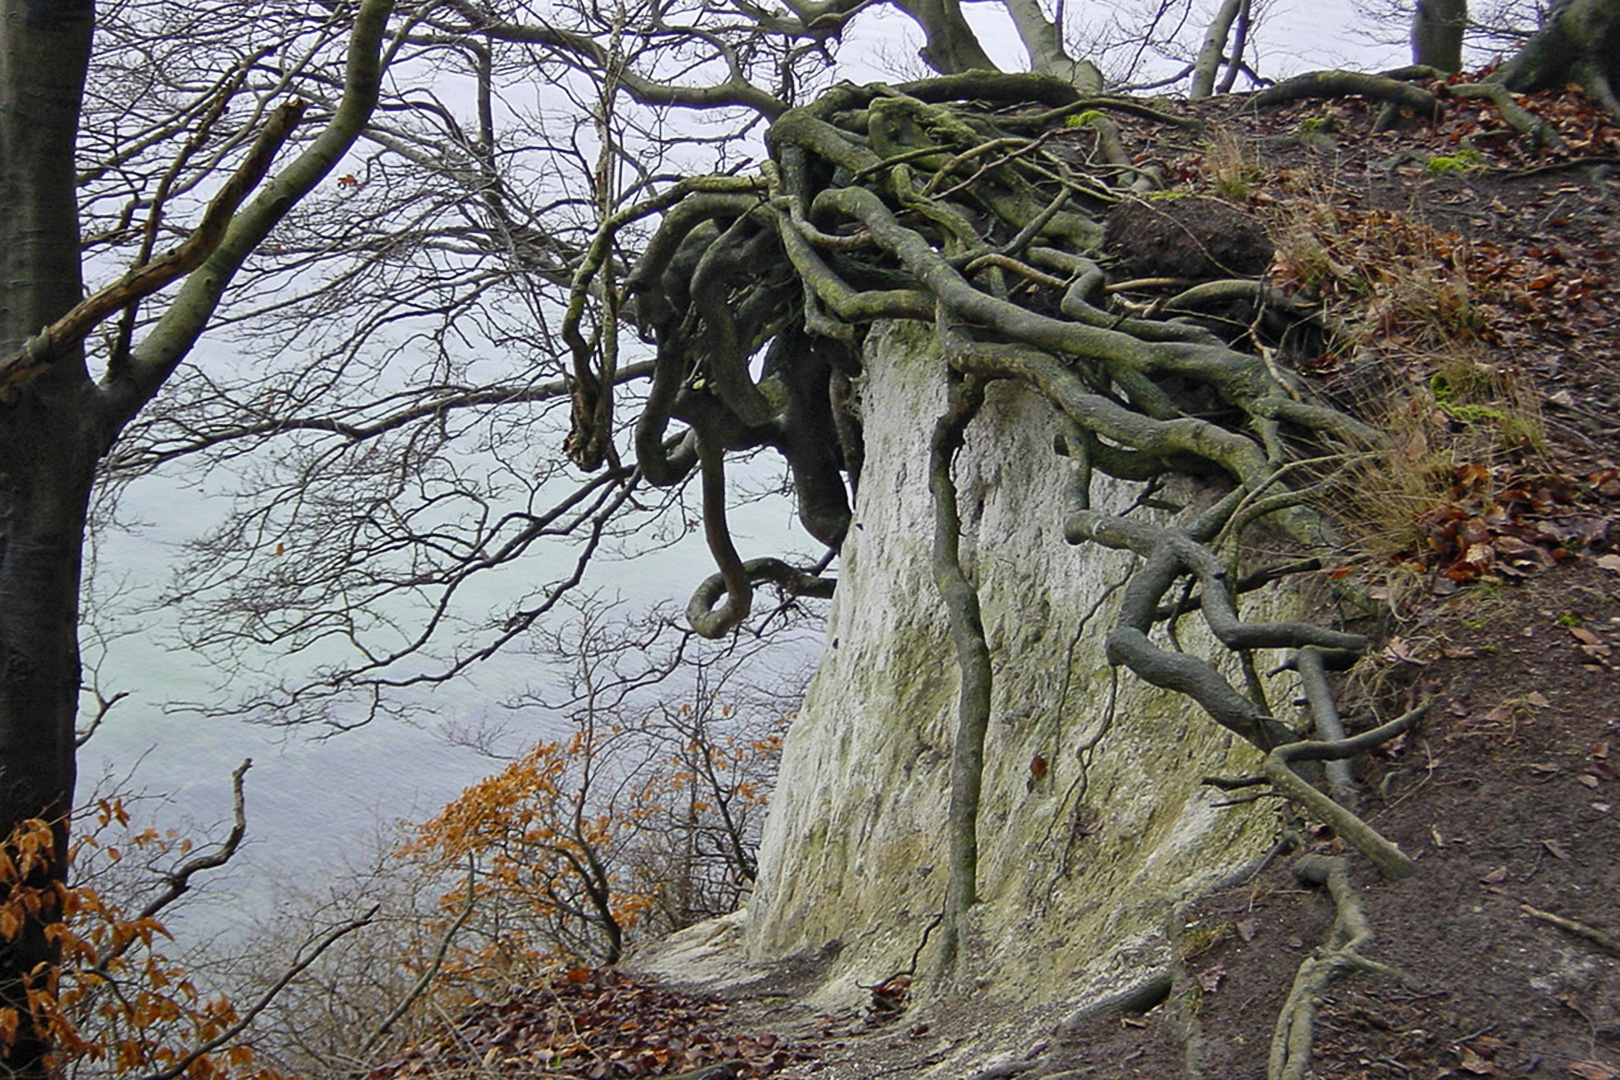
[{"x": 57, "y": 417}]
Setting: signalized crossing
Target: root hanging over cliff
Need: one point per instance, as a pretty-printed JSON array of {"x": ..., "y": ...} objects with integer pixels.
[{"x": 978, "y": 205}]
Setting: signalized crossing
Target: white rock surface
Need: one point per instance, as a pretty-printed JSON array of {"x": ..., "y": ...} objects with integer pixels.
[{"x": 1079, "y": 869}]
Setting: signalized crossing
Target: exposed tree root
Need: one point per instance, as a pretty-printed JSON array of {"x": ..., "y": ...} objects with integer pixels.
[
  {"x": 1338, "y": 956},
  {"x": 972, "y": 658},
  {"x": 1312, "y": 667},
  {"x": 985, "y": 220},
  {"x": 1517, "y": 116},
  {"x": 1329, "y": 84},
  {"x": 1389, "y": 859}
]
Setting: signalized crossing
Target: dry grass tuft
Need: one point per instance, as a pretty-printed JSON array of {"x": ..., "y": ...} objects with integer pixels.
[{"x": 1419, "y": 357}]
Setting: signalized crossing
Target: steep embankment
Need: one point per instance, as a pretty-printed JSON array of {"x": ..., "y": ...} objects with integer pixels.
[{"x": 1483, "y": 282}]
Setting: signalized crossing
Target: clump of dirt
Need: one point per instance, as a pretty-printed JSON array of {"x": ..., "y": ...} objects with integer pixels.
[{"x": 1189, "y": 238}]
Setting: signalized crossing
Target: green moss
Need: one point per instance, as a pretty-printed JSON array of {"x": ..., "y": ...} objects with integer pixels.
[
  {"x": 1483, "y": 398},
  {"x": 1463, "y": 161}
]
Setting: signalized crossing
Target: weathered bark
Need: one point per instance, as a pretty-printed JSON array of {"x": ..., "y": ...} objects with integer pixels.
[
  {"x": 952, "y": 47},
  {"x": 1043, "y": 41},
  {"x": 56, "y": 421},
  {"x": 1579, "y": 42},
  {"x": 1437, "y": 33},
  {"x": 48, "y": 450}
]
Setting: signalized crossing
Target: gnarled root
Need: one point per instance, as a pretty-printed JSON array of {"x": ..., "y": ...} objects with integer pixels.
[
  {"x": 1341, "y": 954},
  {"x": 1389, "y": 859}
]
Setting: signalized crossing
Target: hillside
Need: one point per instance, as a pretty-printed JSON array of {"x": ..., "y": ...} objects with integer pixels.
[{"x": 1479, "y": 270}]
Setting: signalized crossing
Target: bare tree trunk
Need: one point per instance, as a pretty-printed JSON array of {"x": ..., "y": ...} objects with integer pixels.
[
  {"x": 1213, "y": 49},
  {"x": 1043, "y": 41},
  {"x": 56, "y": 422},
  {"x": 952, "y": 47},
  {"x": 1437, "y": 33},
  {"x": 47, "y": 460},
  {"x": 1579, "y": 42}
]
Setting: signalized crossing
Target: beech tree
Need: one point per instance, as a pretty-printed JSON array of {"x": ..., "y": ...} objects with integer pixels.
[
  {"x": 1437, "y": 33},
  {"x": 58, "y": 416},
  {"x": 1576, "y": 43}
]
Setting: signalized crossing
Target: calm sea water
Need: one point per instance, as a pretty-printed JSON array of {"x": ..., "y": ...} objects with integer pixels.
[
  {"x": 316, "y": 803},
  {"x": 317, "y": 806}
]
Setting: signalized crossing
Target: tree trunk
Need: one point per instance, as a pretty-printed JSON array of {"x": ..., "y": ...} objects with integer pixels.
[
  {"x": 1437, "y": 33},
  {"x": 1579, "y": 42},
  {"x": 47, "y": 458},
  {"x": 1213, "y": 50},
  {"x": 952, "y": 47},
  {"x": 1043, "y": 41}
]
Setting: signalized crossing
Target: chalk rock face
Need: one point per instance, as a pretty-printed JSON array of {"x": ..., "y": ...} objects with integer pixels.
[{"x": 1084, "y": 852}]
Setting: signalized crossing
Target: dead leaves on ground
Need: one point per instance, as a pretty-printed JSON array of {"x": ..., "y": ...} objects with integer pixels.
[
  {"x": 1504, "y": 524},
  {"x": 591, "y": 1024}
]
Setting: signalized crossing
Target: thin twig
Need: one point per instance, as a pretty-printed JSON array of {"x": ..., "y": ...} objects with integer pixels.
[
  {"x": 327, "y": 941},
  {"x": 1591, "y": 934},
  {"x": 432, "y": 972}
]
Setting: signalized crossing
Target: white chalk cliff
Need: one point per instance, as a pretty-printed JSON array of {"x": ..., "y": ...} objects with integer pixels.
[{"x": 1081, "y": 861}]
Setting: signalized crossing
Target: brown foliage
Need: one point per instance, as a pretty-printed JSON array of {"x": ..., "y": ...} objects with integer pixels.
[
  {"x": 113, "y": 1002},
  {"x": 575, "y": 845}
]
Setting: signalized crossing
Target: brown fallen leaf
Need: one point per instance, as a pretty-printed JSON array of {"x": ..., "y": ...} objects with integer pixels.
[
  {"x": 1538, "y": 699},
  {"x": 1593, "y": 1070},
  {"x": 1610, "y": 563},
  {"x": 1556, "y": 850},
  {"x": 1495, "y": 877},
  {"x": 1588, "y": 779},
  {"x": 1591, "y": 644},
  {"x": 1399, "y": 650},
  {"x": 1247, "y": 928},
  {"x": 1473, "y": 1063}
]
